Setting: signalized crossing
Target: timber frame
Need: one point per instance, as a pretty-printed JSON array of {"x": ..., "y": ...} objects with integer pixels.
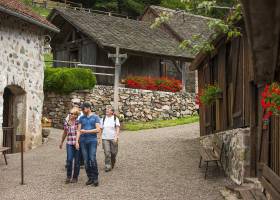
[{"x": 260, "y": 62}]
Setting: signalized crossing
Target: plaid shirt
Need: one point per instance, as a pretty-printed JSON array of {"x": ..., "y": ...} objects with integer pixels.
[{"x": 71, "y": 131}]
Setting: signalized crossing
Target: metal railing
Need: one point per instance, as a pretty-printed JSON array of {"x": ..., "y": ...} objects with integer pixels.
[{"x": 72, "y": 64}]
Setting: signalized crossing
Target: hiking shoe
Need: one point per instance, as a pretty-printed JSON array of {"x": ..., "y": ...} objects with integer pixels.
[
  {"x": 74, "y": 180},
  {"x": 67, "y": 181},
  {"x": 107, "y": 169},
  {"x": 89, "y": 182},
  {"x": 113, "y": 163},
  {"x": 95, "y": 183}
]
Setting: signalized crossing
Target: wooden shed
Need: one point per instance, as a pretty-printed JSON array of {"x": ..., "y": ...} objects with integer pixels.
[
  {"x": 88, "y": 37},
  {"x": 232, "y": 66},
  {"x": 263, "y": 27}
]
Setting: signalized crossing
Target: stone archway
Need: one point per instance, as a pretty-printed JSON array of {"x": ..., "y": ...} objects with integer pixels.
[{"x": 14, "y": 116}]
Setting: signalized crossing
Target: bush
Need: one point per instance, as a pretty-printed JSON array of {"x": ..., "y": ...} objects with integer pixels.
[
  {"x": 67, "y": 80},
  {"x": 158, "y": 84}
]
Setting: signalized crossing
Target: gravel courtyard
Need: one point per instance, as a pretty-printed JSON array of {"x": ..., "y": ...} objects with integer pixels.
[{"x": 152, "y": 164}]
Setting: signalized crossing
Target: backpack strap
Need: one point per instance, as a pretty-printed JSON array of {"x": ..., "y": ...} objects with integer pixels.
[
  {"x": 104, "y": 119},
  {"x": 115, "y": 119}
]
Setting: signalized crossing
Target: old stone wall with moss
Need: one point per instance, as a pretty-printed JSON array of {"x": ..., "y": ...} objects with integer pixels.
[
  {"x": 236, "y": 153},
  {"x": 134, "y": 104}
]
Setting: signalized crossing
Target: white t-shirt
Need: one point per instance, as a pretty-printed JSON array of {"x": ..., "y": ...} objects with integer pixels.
[{"x": 109, "y": 127}]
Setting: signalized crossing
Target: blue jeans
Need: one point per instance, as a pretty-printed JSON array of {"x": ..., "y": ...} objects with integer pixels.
[
  {"x": 72, "y": 155},
  {"x": 88, "y": 149}
]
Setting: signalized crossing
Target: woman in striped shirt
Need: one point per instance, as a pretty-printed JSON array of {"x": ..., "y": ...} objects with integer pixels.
[{"x": 70, "y": 131}]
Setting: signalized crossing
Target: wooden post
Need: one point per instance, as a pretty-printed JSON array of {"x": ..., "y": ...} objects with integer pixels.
[
  {"x": 184, "y": 74},
  {"x": 118, "y": 59}
]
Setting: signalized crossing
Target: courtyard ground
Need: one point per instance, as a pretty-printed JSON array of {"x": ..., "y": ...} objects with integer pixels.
[{"x": 152, "y": 164}]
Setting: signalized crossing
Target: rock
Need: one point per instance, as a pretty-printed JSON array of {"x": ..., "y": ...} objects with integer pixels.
[
  {"x": 128, "y": 114},
  {"x": 165, "y": 107},
  {"x": 76, "y": 101}
]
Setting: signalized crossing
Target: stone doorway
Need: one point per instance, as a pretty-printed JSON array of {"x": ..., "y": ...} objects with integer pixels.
[{"x": 14, "y": 116}]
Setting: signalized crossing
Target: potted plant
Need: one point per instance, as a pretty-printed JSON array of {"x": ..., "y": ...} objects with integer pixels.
[
  {"x": 208, "y": 95},
  {"x": 270, "y": 102}
]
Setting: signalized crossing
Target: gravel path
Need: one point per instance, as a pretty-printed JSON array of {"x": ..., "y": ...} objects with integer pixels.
[{"x": 152, "y": 164}]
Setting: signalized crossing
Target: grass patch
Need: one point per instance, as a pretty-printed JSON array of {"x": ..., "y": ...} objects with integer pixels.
[{"x": 136, "y": 126}]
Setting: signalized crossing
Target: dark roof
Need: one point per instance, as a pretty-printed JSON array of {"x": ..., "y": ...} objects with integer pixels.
[
  {"x": 184, "y": 24},
  {"x": 128, "y": 34},
  {"x": 18, "y": 9}
]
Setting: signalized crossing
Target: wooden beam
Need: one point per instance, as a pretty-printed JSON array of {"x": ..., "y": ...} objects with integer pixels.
[
  {"x": 253, "y": 129},
  {"x": 118, "y": 59},
  {"x": 184, "y": 75}
]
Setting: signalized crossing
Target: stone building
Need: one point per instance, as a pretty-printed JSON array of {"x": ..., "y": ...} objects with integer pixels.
[{"x": 21, "y": 73}]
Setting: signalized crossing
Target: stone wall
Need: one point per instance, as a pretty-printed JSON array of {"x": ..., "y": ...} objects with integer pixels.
[
  {"x": 135, "y": 105},
  {"x": 236, "y": 155},
  {"x": 22, "y": 71}
]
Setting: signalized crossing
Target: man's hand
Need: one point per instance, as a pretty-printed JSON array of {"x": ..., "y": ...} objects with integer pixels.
[
  {"x": 77, "y": 145},
  {"x": 82, "y": 131},
  {"x": 60, "y": 146},
  {"x": 116, "y": 139}
]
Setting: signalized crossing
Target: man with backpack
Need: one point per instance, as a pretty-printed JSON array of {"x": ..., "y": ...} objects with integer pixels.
[{"x": 110, "y": 126}]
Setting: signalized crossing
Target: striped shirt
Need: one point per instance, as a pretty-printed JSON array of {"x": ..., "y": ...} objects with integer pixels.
[{"x": 71, "y": 131}]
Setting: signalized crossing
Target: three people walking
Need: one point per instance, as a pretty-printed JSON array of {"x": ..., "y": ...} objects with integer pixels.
[{"x": 84, "y": 132}]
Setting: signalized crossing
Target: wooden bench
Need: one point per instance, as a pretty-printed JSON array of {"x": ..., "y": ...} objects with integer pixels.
[
  {"x": 213, "y": 154},
  {"x": 247, "y": 191},
  {"x": 270, "y": 181},
  {"x": 3, "y": 150},
  {"x": 253, "y": 194}
]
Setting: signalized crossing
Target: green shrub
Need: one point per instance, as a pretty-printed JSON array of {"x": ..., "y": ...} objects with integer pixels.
[{"x": 67, "y": 80}]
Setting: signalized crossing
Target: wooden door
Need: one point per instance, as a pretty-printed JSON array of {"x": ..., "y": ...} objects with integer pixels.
[
  {"x": 237, "y": 83},
  {"x": 7, "y": 125}
]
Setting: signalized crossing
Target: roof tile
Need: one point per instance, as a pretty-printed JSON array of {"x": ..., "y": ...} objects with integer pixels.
[{"x": 18, "y": 7}]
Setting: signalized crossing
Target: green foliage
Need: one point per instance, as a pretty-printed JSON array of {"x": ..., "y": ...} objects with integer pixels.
[
  {"x": 39, "y": 10},
  {"x": 197, "y": 44},
  {"x": 210, "y": 8},
  {"x": 48, "y": 57},
  {"x": 163, "y": 17},
  {"x": 210, "y": 94},
  {"x": 128, "y": 7},
  {"x": 67, "y": 80},
  {"x": 136, "y": 126}
]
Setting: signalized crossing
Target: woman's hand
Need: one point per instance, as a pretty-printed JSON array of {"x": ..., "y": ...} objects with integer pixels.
[
  {"x": 83, "y": 131},
  {"x": 61, "y": 144},
  {"x": 116, "y": 139},
  {"x": 77, "y": 145},
  {"x": 99, "y": 141}
]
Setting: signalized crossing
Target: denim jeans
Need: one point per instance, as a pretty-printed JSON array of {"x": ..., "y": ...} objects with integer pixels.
[
  {"x": 72, "y": 155},
  {"x": 88, "y": 149}
]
